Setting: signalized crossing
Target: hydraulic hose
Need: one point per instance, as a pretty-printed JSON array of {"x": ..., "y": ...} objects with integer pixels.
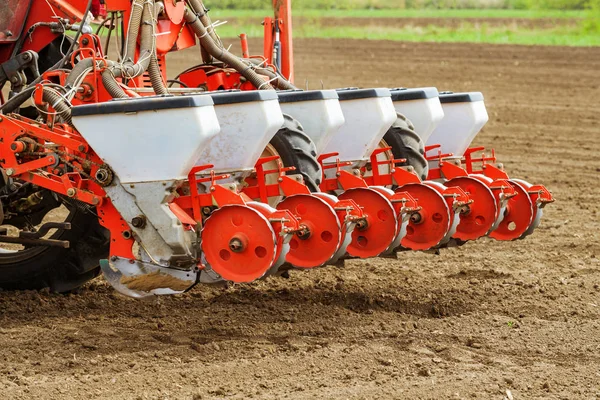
[
  {"x": 62, "y": 107},
  {"x": 78, "y": 70},
  {"x": 153, "y": 68},
  {"x": 15, "y": 102},
  {"x": 129, "y": 69},
  {"x": 135, "y": 20},
  {"x": 222, "y": 54},
  {"x": 112, "y": 86},
  {"x": 156, "y": 77},
  {"x": 202, "y": 13},
  {"x": 279, "y": 81}
]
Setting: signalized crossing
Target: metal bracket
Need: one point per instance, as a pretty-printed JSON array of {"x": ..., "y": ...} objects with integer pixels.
[{"x": 13, "y": 70}]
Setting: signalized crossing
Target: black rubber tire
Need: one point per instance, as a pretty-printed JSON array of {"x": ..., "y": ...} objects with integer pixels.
[
  {"x": 405, "y": 143},
  {"x": 296, "y": 149},
  {"x": 60, "y": 270}
]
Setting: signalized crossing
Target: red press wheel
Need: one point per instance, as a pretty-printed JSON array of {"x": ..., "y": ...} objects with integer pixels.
[
  {"x": 429, "y": 226},
  {"x": 517, "y": 217},
  {"x": 375, "y": 236},
  {"x": 239, "y": 243},
  {"x": 324, "y": 231},
  {"x": 482, "y": 212}
]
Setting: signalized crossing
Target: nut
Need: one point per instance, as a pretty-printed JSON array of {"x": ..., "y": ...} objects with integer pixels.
[{"x": 139, "y": 221}]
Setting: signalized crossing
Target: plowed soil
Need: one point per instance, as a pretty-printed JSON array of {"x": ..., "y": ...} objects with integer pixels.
[{"x": 489, "y": 320}]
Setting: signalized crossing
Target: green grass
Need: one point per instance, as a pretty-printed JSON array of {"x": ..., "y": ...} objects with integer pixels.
[
  {"x": 217, "y": 13},
  {"x": 466, "y": 33}
]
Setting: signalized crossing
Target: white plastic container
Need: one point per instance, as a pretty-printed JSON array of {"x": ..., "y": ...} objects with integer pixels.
[
  {"x": 318, "y": 111},
  {"x": 248, "y": 121},
  {"x": 421, "y": 106},
  {"x": 464, "y": 116},
  {"x": 368, "y": 113},
  {"x": 149, "y": 138}
]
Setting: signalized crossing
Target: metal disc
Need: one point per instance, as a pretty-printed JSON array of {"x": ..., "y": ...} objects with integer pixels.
[
  {"x": 324, "y": 235},
  {"x": 381, "y": 228},
  {"x": 517, "y": 217},
  {"x": 478, "y": 221},
  {"x": 435, "y": 219},
  {"x": 239, "y": 243}
]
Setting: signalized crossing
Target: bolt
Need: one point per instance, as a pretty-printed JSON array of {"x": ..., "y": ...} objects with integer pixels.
[
  {"x": 81, "y": 147},
  {"x": 95, "y": 201},
  {"x": 26, "y": 56},
  {"x": 113, "y": 258},
  {"x": 139, "y": 221},
  {"x": 10, "y": 172},
  {"x": 71, "y": 192},
  {"x": 362, "y": 224},
  {"x": 236, "y": 245},
  {"x": 416, "y": 218},
  {"x": 85, "y": 42},
  {"x": 304, "y": 233}
]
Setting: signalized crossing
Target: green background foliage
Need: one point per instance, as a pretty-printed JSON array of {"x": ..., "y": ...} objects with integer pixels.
[{"x": 413, "y": 4}]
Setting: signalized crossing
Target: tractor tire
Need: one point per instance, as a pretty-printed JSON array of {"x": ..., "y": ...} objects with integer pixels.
[
  {"x": 59, "y": 269},
  {"x": 405, "y": 143},
  {"x": 296, "y": 149}
]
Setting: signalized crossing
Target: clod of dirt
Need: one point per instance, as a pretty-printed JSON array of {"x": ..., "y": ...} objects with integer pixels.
[{"x": 155, "y": 280}]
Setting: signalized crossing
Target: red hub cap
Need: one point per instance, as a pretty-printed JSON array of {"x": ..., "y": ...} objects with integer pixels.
[
  {"x": 323, "y": 237},
  {"x": 373, "y": 236},
  {"x": 429, "y": 226},
  {"x": 482, "y": 213},
  {"x": 238, "y": 243}
]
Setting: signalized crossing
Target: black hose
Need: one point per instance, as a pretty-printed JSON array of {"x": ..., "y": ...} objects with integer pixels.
[
  {"x": 112, "y": 86},
  {"x": 77, "y": 70},
  {"x": 15, "y": 102},
  {"x": 222, "y": 54},
  {"x": 170, "y": 82},
  {"x": 71, "y": 47},
  {"x": 156, "y": 76},
  {"x": 129, "y": 69},
  {"x": 154, "y": 72},
  {"x": 137, "y": 9},
  {"x": 62, "y": 107},
  {"x": 279, "y": 81}
]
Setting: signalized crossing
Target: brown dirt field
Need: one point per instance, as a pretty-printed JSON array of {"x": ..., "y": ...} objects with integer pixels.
[{"x": 473, "y": 322}]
